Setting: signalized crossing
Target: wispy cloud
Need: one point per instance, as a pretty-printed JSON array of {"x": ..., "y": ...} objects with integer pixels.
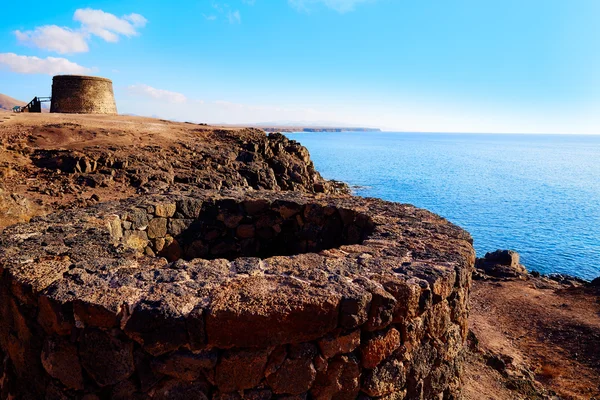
[
  {"x": 157, "y": 94},
  {"x": 64, "y": 40},
  {"x": 35, "y": 65},
  {"x": 234, "y": 17},
  {"x": 341, "y": 6},
  {"x": 223, "y": 11}
]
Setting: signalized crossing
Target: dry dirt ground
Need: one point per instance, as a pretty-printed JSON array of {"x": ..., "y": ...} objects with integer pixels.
[
  {"x": 531, "y": 339},
  {"x": 53, "y": 161}
]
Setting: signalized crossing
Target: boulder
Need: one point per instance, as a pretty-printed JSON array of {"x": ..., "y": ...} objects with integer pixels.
[{"x": 501, "y": 264}]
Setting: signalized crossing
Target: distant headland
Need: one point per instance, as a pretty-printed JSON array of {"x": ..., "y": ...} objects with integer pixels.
[{"x": 314, "y": 129}]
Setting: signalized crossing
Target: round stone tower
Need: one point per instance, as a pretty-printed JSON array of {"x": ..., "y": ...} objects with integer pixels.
[{"x": 82, "y": 95}]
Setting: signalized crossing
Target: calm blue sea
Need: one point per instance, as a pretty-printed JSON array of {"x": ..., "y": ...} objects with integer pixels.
[{"x": 536, "y": 194}]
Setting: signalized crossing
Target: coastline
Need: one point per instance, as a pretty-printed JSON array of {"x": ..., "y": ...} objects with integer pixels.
[{"x": 530, "y": 336}]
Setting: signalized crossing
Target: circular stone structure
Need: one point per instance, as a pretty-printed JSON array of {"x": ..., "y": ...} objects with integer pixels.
[
  {"x": 234, "y": 295},
  {"x": 76, "y": 94}
]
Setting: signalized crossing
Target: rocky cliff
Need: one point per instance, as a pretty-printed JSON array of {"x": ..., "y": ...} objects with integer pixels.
[
  {"x": 60, "y": 161},
  {"x": 180, "y": 261}
]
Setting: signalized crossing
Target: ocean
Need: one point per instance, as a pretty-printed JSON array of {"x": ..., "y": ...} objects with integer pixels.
[{"x": 536, "y": 194}]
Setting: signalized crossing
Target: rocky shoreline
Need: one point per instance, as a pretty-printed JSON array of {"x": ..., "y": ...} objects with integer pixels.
[{"x": 530, "y": 336}]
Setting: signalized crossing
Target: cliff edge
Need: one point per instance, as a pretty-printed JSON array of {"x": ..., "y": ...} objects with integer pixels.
[{"x": 50, "y": 162}]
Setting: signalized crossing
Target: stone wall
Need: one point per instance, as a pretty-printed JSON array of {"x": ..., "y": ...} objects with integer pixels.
[
  {"x": 259, "y": 295},
  {"x": 82, "y": 95}
]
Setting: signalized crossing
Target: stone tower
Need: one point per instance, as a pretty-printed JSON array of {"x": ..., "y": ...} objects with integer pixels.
[{"x": 77, "y": 94}]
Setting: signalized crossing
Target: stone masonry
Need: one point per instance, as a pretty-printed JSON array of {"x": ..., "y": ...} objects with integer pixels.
[
  {"x": 234, "y": 295},
  {"x": 82, "y": 95}
]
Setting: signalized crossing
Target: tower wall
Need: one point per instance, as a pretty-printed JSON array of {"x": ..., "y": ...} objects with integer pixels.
[{"x": 82, "y": 95}]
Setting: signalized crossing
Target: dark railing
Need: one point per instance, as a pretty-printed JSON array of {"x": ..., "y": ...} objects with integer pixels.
[{"x": 35, "y": 105}]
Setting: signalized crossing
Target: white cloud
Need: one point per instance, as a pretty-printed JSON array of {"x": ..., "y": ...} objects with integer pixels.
[
  {"x": 157, "y": 94},
  {"x": 54, "y": 38},
  {"x": 108, "y": 26},
  {"x": 64, "y": 40},
  {"x": 234, "y": 17},
  {"x": 35, "y": 65},
  {"x": 341, "y": 6}
]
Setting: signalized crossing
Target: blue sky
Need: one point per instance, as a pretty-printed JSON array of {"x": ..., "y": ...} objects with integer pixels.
[{"x": 416, "y": 65}]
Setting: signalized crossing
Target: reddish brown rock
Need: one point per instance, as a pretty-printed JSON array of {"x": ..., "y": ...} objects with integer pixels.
[
  {"x": 95, "y": 315},
  {"x": 340, "y": 381},
  {"x": 294, "y": 376},
  {"x": 195, "y": 328},
  {"x": 245, "y": 231},
  {"x": 106, "y": 359},
  {"x": 240, "y": 369},
  {"x": 298, "y": 313},
  {"x": 379, "y": 347},
  {"x": 54, "y": 317},
  {"x": 186, "y": 366},
  {"x": 61, "y": 361},
  {"x": 276, "y": 359},
  {"x": 332, "y": 346}
]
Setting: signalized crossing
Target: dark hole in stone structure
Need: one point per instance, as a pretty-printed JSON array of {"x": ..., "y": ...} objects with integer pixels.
[{"x": 230, "y": 229}]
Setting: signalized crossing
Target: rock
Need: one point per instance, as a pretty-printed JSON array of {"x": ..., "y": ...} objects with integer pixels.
[
  {"x": 95, "y": 315},
  {"x": 195, "y": 327},
  {"x": 165, "y": 210},
  {"x": 245, "y": 231},
  {"x": 316, "y": 317},
  {"x": 189, "y": 207},
  {"x": 332, "y": 346},
  {"x": 60, "y": 360},
  {"x": 138, "y": 218},
  {"x": 388, "y": 377},
  {"x": 106, "y": 359},
  {"x": 178, "y": 226},
  {"x": 174, "y": 389},
  {"x": 54, "y": 317},
  {"x": 240, "y": 369},
  {"x": 158, "y": 326},
  {"x": 295, "y": 376},
  {"x": 595, "y": 283},
  {"x": 501, "y": 264},
  {"x": 341, "y": 380},
  {"x": 157, "y": 228},
  {"x": 379, "y": 347},
  {"x": 186, "y": 366},
  {"x": 137, "y": 240},
  {"x": 114, "y": 226}
]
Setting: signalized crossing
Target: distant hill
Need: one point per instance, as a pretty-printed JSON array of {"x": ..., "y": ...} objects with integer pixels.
[{"x": 7, "y": 103}]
